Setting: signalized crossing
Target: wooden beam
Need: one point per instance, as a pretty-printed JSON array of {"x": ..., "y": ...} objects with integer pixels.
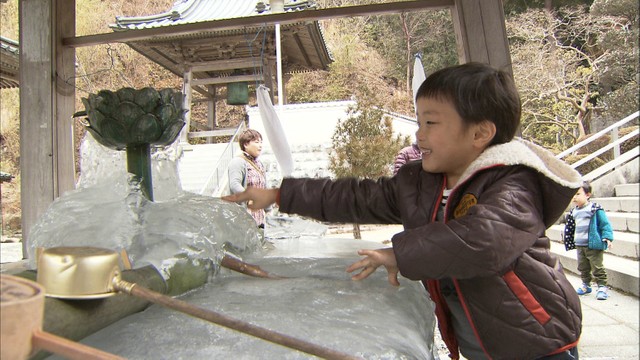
[
  {"x": 225, "y": 64},
  {"x": 481, "y": 34},
  {"x": 258, "y": 20},
  {"x": 302, "y": 51},
  {"x": 227, "y": 80},
  {"x": 13, "y": 77}
]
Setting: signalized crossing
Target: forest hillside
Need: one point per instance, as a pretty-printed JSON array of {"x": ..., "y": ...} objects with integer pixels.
[{"x": 575, "y": 64}]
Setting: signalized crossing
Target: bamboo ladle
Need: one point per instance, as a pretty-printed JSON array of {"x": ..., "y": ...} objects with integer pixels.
[
  {"x": 108, "y": 282},
  {"x": 22, "y": 313}
]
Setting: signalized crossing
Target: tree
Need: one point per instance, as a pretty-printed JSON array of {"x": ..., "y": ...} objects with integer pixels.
[
  {"x": 364, "y": 146},
  {"x": 398, "y": 37},
  {"x": 358, "y": 70},
  {"x": 560, "y": 61},
  {"x": 620, "y": 75},
  {"x": 374, "y": 54}
]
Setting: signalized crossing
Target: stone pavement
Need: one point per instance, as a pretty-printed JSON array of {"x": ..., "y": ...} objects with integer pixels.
[{"x": 609, "y": 328}]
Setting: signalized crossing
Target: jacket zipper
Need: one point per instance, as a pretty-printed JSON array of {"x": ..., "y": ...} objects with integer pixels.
[{"x": 463, "y": 302}]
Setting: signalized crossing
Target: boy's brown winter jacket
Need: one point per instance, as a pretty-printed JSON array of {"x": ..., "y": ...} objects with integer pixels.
[{"x": 492, "y": 242}]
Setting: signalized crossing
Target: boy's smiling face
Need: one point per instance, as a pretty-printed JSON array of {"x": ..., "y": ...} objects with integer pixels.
[{"x": 448, "y": 145}]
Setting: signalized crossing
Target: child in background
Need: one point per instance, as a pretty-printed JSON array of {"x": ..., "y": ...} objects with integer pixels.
[
  {"x": 474, "y": 210},
  {"x": 407, "y": 154},
  {"x": 588, "y": 231}
]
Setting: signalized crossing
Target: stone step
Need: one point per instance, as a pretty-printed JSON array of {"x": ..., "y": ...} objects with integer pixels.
[
  {"x": 627, "y": 190},
  {"x": 619, "y": 204},
  {"x": 622, "y": 221},
  {"x": 623, "y": 274},
  {"x": 196, "y": 164},
  {"x": 625, "y": 244}
]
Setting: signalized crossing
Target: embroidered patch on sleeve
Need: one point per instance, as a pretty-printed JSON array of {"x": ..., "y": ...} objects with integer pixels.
[{"x": 468, "y": 200}]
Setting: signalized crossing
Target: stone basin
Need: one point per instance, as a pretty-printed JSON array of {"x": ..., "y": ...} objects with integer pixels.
[{"x": 316, "y": 302}]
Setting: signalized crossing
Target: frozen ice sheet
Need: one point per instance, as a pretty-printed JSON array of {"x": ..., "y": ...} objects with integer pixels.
[
  {"x": 318, "y": 302},
  {"x": 119, "y": 217}
]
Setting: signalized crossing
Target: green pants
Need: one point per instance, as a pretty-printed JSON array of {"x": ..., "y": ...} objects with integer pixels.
[{"x": 590, "y": 263}]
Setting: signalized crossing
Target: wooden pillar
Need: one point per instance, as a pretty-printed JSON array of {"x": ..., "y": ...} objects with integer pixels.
[
  {"x": 187, "y": 91},
  {"x": 481, "y": 34},
  {"x": 47, "y": 100},
  {"x": 212, "y": 120},
  {"x": 268, "y": 67},
  {"x": 285, "y": 97},
  {"x": 65, "y": 94}
]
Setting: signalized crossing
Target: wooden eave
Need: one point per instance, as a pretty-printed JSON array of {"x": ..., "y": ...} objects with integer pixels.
[
  {"x": 9, "y": 65},
  {"x": 303, "y": 47}
]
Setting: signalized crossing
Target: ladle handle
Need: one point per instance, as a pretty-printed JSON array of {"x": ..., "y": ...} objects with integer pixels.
[
  {"x": 67, "y": 348},
  {"x": 231, "y": 323}
]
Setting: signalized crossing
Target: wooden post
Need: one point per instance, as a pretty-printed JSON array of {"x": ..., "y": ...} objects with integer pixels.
[
  {"x": 46, "y": 105},
  {"x": 212, "y": 120},
  {"x": 481, "y": 33},
  {"x": 187, "y": 91},
  {"x": 268, "y": 67},
  {"x": 64, "y": 96}
]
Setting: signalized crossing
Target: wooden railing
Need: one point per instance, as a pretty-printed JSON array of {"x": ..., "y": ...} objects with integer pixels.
[{"x": 618, "y": 158}]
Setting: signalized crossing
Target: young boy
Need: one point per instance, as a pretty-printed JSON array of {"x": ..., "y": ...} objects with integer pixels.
[
  {"x": 588, "y": 230},
  {"x": 475, "y": 211}
]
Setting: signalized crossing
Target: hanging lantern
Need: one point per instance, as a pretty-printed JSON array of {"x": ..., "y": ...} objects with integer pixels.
[{"x": 238, "y": 93}]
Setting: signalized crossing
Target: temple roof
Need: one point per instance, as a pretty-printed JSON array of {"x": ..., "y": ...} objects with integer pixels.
[
  {"x": 191, "y": 11},
  {"x": 9, "y": 63},
  {"x": 303, "y": 45}
]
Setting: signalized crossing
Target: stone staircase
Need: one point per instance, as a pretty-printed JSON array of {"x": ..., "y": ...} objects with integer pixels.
[
  {"x": 196, "y": 164},
  {"x": 621, "y": 260}
]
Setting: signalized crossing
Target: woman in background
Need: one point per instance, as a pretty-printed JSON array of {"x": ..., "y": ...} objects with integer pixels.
[{"x": 246, "y": 170}]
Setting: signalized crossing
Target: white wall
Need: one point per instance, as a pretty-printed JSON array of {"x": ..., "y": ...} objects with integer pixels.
[{"x": 315, "y": 123}]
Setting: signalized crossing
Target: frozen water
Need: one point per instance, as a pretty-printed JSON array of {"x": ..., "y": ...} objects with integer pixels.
[
  {"x": 117, "y": 218},
  {"x": 282, "y": 226},
  {"x": 317, "y": 302},
  {"x": 108, "y": 210},
  {"x": 99, "y": 163}
]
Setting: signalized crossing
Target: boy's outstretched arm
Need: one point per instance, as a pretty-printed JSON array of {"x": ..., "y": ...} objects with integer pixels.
[
  {"x": 372, "y": 260},
  {"x": 256, "y": 198}
]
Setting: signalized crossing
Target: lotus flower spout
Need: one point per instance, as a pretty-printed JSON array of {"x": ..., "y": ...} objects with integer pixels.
[{"x": 132, "y": 120}]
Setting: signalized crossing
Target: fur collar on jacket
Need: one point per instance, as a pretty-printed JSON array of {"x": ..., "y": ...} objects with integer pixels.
[{"x": 523, "y": 152}]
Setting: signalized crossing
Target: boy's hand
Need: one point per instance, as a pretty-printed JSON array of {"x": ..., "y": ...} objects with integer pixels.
[
  {"x": 373, "y": 259},
  {"x": 609, "y": 243},
  {"x": 256, "y": 198}
]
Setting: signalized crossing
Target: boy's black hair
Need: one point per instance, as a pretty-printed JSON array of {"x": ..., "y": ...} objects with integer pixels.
[
  {"x": 586, "y": 187},
  {"x": 247, "y": 136},
  {"x": 478, "y": 92}
]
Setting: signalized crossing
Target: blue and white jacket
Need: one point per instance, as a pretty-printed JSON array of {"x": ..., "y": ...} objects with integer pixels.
[{"x": 599, "y": 228}]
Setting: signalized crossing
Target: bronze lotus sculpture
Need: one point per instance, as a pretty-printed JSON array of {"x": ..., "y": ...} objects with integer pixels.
[{"x": 133, "y": 120}]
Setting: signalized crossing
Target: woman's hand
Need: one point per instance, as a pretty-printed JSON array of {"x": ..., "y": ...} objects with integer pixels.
[
  {"x": 256, "y": 198},
  {"x": 373, "y": 259}
]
